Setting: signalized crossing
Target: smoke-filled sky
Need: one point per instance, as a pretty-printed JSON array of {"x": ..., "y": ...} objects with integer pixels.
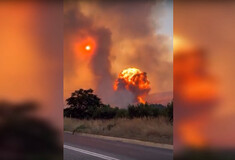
[
  {"x": 31, "y": 55},
  {"x": 206, "y": 116},
  {"x": 121, "y": 34}
]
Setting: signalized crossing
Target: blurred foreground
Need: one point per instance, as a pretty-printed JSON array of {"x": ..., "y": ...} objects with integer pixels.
[
  {"x": 24, "y": 136},
  {"x": 31, "y": 69},
  {"x": 204, "y": 114}
]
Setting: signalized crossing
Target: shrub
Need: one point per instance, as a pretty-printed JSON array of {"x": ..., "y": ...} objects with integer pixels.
[
  {"x": 122, "y": 113},
  {"x": 105, "y": 112},
  {"x": 170, "y": 111},
  {"x": 83, "y": 104}
]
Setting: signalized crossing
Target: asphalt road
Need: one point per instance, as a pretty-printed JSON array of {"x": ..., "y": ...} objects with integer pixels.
[{"x": 78, "y": 147}]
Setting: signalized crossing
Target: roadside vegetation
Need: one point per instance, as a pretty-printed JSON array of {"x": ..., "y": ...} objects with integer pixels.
[
  {"x": 149, "y": 122},
  {"x": 158, "y": 130}
]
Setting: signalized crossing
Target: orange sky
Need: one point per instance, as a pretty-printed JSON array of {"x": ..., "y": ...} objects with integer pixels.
[
  {"x": 30, "y": 64},
  {"x": 204, "y": 95},
  {"x": 135, "y": 42}
]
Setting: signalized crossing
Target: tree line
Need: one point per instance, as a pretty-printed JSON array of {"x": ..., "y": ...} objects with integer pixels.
[{"x": 83, "y": 104}]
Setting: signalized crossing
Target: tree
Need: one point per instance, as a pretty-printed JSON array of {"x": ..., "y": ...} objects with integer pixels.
[
  {"x": 82, "y": 104},
  {"x": 170, "y": 111},
  {"x": 105, "y": 112},
  {"x": 122, "y": 113}
]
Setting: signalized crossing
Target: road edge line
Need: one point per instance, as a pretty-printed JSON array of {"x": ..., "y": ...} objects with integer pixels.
[
  {"x": 94, "y": 154},
  {"x": 125, "y": 140}
]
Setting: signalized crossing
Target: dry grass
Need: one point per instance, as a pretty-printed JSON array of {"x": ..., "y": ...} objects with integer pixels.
[{"x": 157, "y": 130}]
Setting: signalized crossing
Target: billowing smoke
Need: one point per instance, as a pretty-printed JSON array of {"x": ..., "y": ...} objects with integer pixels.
[
  {"x": 137, "y": 37},
  {"x": 125, "y": 35},
  {"x": 134, "y": 81},
  {"x": 80, "y": 29}
]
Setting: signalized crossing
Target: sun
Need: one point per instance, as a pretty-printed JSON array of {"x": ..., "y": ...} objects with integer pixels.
[
  {"x": 88, "y": 48},
  {"x": 85, "y": 48}
]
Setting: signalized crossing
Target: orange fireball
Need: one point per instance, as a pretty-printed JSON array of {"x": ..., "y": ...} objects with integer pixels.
[{"x": 135, "y": 81}]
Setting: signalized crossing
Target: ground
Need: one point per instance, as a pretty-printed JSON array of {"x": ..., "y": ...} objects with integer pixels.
[{"x": 158, "y": 130}]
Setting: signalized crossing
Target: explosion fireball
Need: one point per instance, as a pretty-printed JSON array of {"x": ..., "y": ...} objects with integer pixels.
[{"x": 135, "y": 81}]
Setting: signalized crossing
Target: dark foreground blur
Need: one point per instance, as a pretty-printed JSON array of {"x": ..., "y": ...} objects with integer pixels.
[
  {"x": 205, "y": 154},
  {"x": 23, "y": 136}
]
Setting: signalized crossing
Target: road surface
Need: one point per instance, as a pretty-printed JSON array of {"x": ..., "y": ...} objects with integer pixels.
[{"x": 80, "y": 147}]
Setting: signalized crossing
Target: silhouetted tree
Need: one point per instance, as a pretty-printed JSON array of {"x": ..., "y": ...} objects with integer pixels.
[
  {"x": 105, "y": 112},
  {"x": 122, "y": 113},
  {"x": 146, "y": 110},
  {"x": 82, "y": 104},
  {"x": 170, "y": 111}
]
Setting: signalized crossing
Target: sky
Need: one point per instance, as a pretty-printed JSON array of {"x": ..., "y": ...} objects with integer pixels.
[{"x": 123, "y": 34}]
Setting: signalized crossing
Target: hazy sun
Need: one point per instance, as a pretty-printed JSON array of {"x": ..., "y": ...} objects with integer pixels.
[
  {"x": 85, "y": 47},
  {"x": 88, "y": 47}
]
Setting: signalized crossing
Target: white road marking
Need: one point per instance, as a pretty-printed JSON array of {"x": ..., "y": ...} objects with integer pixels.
[{"x": 90, "y": 153}]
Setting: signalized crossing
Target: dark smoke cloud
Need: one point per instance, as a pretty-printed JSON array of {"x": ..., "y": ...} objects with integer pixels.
[
  {"x": 79, "y": 26},
  {"x": 135, "y": 38},
  {"x": 130, "y": 17}
]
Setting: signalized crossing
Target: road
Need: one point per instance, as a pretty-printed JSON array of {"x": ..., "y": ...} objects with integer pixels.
[{"x": 80, "y": 147}]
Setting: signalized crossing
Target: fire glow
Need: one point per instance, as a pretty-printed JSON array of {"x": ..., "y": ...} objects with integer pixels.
[
  {"x": 135, "y": 81},
  {"x": 85, "y": 48}
]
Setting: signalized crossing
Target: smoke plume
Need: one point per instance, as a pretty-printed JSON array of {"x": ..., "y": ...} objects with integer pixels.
[{"x": 124, "y": 33}]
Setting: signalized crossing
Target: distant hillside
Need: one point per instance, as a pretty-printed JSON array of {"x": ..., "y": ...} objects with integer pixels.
[{"x": 160, "y": 98}]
